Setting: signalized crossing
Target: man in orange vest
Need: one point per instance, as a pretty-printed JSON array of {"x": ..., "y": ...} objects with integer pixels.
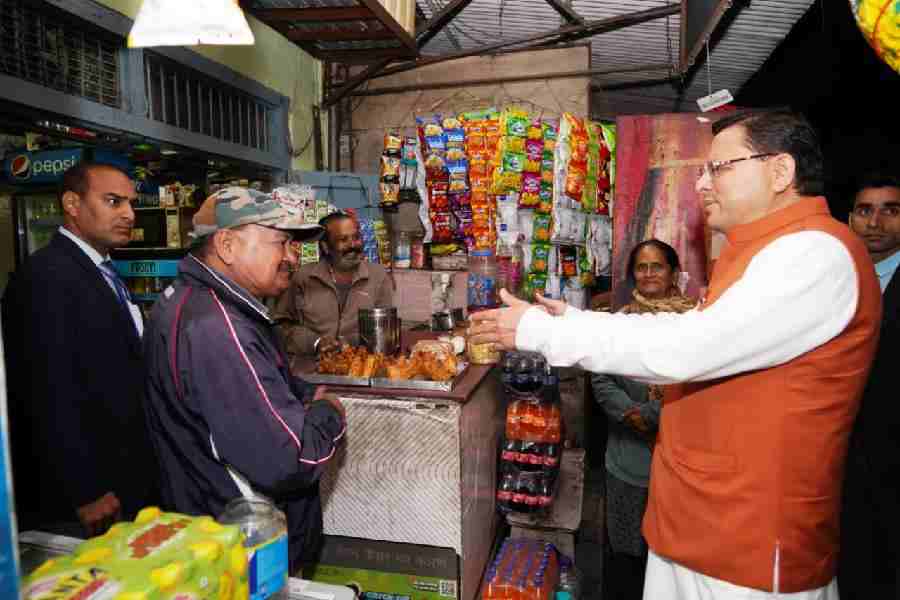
[{"x": 746, "y": 477}]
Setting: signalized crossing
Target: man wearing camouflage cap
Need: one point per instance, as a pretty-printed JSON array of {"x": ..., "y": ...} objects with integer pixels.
[{"x": 226, "y": 417}]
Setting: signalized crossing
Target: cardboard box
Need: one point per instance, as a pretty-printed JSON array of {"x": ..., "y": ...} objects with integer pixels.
[{"x": 388, "y": 570}]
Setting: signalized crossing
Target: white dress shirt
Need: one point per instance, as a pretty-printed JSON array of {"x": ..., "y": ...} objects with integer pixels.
[{"x": 97, "y": 259}]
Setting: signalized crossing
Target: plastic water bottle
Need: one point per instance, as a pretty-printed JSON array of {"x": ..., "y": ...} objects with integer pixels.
[
  {"x": 265, "y": 529},
  {"x": 569, "y": 587}
]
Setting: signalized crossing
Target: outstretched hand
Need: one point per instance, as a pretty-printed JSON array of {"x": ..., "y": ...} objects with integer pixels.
[{"x": 499, "y": 326}]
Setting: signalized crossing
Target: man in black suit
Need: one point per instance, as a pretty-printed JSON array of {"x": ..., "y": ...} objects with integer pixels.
[
  {"x": 870, "y": 528},
  {"x": 81, "y": 453}
]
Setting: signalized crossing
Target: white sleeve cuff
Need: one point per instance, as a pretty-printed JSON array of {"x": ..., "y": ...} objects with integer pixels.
[{"x": 532, "y": 328}]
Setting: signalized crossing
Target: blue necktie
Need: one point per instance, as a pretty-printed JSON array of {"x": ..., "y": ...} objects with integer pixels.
[{"x": 122, "y": 293}]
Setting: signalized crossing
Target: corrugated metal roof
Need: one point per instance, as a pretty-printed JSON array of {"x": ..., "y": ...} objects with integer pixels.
[{"x": 744, "y": 46}]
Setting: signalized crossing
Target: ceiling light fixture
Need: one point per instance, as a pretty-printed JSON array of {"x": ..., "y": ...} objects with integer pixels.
[{"x": 179, "y": 23}]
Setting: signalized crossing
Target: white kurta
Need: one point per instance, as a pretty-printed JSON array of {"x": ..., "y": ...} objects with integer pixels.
[{"x": 796, "y": 294}]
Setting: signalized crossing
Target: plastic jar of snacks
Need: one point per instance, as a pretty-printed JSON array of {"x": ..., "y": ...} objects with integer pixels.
[{"x": 481, "y": 354}]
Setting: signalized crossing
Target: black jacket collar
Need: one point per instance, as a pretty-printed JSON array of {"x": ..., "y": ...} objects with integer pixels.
[{"x": 195, "y": 272}]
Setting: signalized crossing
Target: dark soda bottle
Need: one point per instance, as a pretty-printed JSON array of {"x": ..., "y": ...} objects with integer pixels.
[
  {"x": 518, "y": 497},
  {"x": 505, "y": 491},
  {"x": 510, "y": 451},
  {"x": 531, "y": 492},
  {"x": 509, "y": 369},
  {"x": 545, "y": 493},
  {"x": 536, "y": 456},
  {"x": 528, "y": 450},
  {"x": 551, "y": 456}
]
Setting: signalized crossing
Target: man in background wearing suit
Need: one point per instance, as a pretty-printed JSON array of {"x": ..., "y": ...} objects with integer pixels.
[
  {"x": 81, "y": 453},
  {"x": 870, "y": 523}
]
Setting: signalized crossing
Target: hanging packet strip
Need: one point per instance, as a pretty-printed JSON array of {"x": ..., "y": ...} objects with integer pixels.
[
  {"x": 390, "y": 169},
  {"x": 585, "y": 272},
  {"x": 545, "y": 198},
  {"x": 541, "y": 228},
  {"x": 458, "y": 175},
  {"x": 540, "y": 258},
  {"x": 390, "y": 193},
  {"x": 515, "y": 122},
  {"x": 535, "y": 283},
  {"x": 393, "y": 144}
]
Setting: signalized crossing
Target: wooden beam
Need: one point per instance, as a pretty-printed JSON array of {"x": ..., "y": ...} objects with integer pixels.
[
  {"x": 440, "y": 20},
  {"x": 566, "y": 11},
  {"x": 356, "y": 81},
  {"x": 567, "y": 33},
  {"x": 338, "y": 35},
  {"x": 390, "y": 23},
  {"x": 313, "y": 15}
]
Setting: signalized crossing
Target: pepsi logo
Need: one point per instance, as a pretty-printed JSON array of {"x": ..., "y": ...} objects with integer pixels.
[{"x": 20, "y": 167}]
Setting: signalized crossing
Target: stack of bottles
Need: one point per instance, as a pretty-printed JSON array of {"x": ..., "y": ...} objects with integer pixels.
[
  {"x": 522, "y": 570},
  {"x": 529, "y": 460}
]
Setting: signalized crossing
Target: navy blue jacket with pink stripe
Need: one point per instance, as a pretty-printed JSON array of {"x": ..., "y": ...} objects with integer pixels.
[{"x": 226, "y": 416}]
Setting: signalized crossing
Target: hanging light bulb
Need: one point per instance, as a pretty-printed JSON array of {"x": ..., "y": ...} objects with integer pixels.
[{"x": 180, "y": 23}]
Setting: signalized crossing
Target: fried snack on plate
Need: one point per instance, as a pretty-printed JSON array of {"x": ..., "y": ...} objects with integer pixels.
[
  {"x": 437, "y": 359},
  {"x": 401, "y": 368},
  {"x": 437, "y": 368}
]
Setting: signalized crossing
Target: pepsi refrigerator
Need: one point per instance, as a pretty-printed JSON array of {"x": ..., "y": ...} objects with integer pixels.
[{"x": 36, "y": 177}]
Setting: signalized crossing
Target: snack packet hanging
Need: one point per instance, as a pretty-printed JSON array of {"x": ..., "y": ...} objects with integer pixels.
[
  {"x": 513, "y": 162},
  {"x": 435, "y": 168},
  {"x": 390, "y": 169},
  {"x": 390, "y": 193},
  {"x": 535, "y": 283},
  {"x": 545, "y": 198},
  {"x": 541, "y": 231},
  {"x": 424, "y": 211},
  {"x": 515, "y": 122},
  {"x": 458, "y": 175},
  {"x": 442, "y": 228},
  {"x": 504, "y": 182},
  {"x": 568, "y": 261},
  {"x": 508, "y": 216},
  {"x": 598, "y": 244},
  {"x": 393, "y": 144},
  {"x": 589, "y": 195},
  {"x": 540, "y": 258},
  {"x": 512, "y": 145},
  {"x": 531, "y": 187},
  {"x": 574, "y": 183},
  {"x": 585, "y": 272},
  {"x": 526, "y": 224}
]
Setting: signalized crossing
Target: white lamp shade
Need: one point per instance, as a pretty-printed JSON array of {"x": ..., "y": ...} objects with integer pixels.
[{"x": 189, "y": 23}]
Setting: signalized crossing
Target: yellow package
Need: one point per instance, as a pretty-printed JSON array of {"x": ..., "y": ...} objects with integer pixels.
[
  {"x": 879, "y": 21},
  {"x": 160, "y": 556}
]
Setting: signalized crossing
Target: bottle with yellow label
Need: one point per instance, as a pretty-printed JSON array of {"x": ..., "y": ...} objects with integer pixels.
[{"x": 265, "y": 530}]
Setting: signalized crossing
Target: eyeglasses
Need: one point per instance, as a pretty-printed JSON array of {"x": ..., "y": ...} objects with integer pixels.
[{"x": 713, "y": 167}]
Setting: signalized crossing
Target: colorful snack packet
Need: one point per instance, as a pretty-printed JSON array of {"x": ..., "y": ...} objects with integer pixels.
[
  {"x": 540, "y": 258},
  {"x": 541, "y": 231}
]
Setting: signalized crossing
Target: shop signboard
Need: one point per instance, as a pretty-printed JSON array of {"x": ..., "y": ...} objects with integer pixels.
[
  {"x": 47, "y": 166},
  {"x": 40, "y": 167},
  {"x": 388, "y": 570},
  {"x": 146, "y": 268}
]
